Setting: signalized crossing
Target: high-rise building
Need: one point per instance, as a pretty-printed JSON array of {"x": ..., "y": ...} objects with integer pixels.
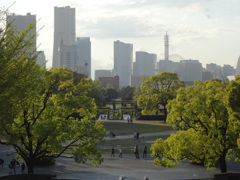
[
  {"x": 64, "y": 30},
  {"x": 123, "y": 62},
  {"x": 145, "y": 65},
  {"x": 84, "y": 56}
]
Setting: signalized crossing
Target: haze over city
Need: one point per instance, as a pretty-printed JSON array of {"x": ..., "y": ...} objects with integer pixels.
[{"x": 206, "y": 30}]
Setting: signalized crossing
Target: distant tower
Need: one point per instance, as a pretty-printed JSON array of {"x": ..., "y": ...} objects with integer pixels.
[
  {"x": 166, "y": 46},
  {"x": 64, "y": 30}
]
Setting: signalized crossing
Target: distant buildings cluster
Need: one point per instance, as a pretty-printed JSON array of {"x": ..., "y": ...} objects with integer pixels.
[{"x": 75, "y": 53}]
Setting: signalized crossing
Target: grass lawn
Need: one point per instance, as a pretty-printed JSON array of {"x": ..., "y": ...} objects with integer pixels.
[{"x": 124, "y": 128}]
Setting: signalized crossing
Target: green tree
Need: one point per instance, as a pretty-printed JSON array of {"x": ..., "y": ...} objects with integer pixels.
[
  {"x": 126, "y": 93},
  {"x": 42, "y": 112},
  {"x": 157, "y": 91},
  {"x": 208, "y": 126},
  {"x": 53, "y": 116}
]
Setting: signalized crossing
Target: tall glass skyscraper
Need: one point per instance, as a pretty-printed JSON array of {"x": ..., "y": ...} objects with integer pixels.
[{"x": 64, "y": 30}]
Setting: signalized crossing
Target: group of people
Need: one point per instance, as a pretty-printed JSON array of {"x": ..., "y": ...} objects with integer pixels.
[
  {"x": 113, "y": 152},
  {"x": 13, "y": 164},
  {"x": 136, "y": 152}
]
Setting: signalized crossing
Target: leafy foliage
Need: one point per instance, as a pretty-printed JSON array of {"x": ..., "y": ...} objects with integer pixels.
[
  {"x": 42, "y": 112},
  {"x": 158, "y": 90},
  {"x": 208, "y": 124}
]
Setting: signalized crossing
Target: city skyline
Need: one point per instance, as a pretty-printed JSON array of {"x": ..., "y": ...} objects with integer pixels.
[{"x": 206, "y": 30}]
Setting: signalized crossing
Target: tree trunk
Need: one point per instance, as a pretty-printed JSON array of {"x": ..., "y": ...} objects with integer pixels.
[
  {"x": 30, "y": 166},
  {"x": 223, "y": 164},
  {"x": 165, "y": 113}
]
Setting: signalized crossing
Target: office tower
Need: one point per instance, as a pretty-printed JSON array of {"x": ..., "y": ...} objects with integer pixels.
[
  {"x": 21, "y": 22},
  {"x": 68, "y": 56},
  {"x": 166, "y": 46},
  {"x": 64, "y": 30},
  {"x": 102, "y": 73},
  {"x": 123, "y": 62},
  {"x": 145, "y": 64},
  {"x": 84, "y": 56}
]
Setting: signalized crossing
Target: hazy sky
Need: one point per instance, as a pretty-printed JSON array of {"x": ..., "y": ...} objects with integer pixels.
[{"x": 206, "y": 30}]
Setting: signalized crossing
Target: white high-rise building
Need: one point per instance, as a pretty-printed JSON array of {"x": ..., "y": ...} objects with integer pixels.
[
  {"x": 123, "y": 62},
  {"x": 84, "y": 56},
  {"x": 64, "y": 30}
]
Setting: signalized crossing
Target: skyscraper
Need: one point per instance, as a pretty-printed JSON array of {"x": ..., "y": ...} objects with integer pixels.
[
  {"x": 64, "y": 30},
  {"x": 123, "y": 62},
  {"x": 84, "y": 56}
]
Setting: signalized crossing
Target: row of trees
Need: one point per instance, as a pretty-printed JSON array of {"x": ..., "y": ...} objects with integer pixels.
[{"x": 44, "y": 112}]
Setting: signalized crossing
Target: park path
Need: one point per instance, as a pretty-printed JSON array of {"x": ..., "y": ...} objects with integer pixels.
[{"x": 142, "y": 135}]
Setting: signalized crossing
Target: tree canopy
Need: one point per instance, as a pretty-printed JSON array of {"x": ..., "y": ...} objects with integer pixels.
[
  {"x": 157, "y": 91},
  {"x": 43, "y": 112},
  {"x": 207, "y": 117}
]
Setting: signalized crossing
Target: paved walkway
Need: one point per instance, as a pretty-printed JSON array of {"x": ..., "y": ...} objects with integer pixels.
[
  {"x": 114, "y": 167},
  {"x": 142, "y": 135}
]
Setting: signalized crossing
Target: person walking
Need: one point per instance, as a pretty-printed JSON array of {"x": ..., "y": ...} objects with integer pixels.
[
  {"x": 136, "y": 152},
  {"x": 145, "y": 152},
  {"x": 112, "y": 154},
  {"x": 120, "y": 152},
  {"x": 12, "y": 166},
  {"x": 137, "y": 137},
  {"x": 23, "y": 168}
]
